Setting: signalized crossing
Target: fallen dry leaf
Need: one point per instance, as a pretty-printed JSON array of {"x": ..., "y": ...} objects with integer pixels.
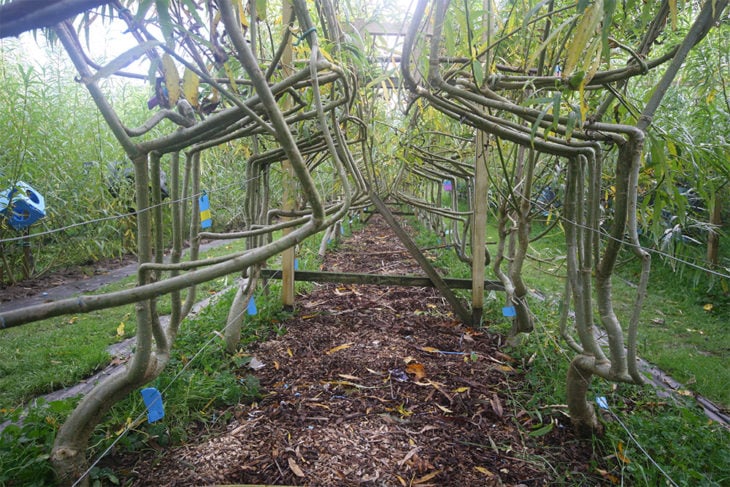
[
  {"x": 338, "y": 348},
  {"x": 444, "y": 409},
  {"x": 427, "y": 477},
  {"x": 507, "y": 369},
  {"x": 295, "y": 468},
  {"x": 408, "y": 456},
  {"x": 348, "y": 376},
  {"x": 485, "y": 471},
  {"x": 418, "y": 370},
  {"x": 496, "y": 405},
  {"x": 620, "y": 453}
]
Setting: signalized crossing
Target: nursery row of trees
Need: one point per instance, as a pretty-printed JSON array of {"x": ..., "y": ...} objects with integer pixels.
[{"x": 526, "y": 108}]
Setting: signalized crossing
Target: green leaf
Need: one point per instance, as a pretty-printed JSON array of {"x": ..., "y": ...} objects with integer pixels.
[
  {"x": 609, "y": 6},
  {"x": 536, "y": 125},
  {"x": 261, "y": 9},
  {"x": 573, "y": 117},
  {"x": 144, "y": 6},
  {"x": 192, "y": 8},
  {"x": 533, "y": 11},
  {"x": 478, "y": 70},
  {"x": 163, "y": 14},
  {"x": 585, "y": 31},
  {"x": 542, "y": 431},
  {"x": 556, "y": 109}
]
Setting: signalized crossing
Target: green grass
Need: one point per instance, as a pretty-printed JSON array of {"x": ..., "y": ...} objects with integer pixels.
[
  {"x": 42, "y": 357},
  {"x": 678, "y": 334},
  {"x": 47, "y": 355}
]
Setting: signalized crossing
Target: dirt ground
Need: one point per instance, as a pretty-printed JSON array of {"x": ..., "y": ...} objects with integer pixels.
[{"x": 377, "y": 385}]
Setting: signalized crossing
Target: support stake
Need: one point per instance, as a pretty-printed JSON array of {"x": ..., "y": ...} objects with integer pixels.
[{"x": 436, "y": 279}]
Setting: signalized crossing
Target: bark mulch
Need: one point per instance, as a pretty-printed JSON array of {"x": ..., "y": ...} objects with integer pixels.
[{"x": 379, "y": 386}]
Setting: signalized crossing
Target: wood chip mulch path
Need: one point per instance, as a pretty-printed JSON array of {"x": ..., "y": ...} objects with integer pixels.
[{"x": 376, "y": 386}]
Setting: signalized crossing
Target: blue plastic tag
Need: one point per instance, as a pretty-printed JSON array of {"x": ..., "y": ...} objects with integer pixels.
[
  {"x": 206, "y": 220},
  {"x": 251, "y": 308},
  {"x": 153, "y": 401},
  {"x": 602, "y": 403},
  {"x": 447, "y": 185},
  {"x": 509, "y": 311},
  {"x": 296, "y": 264}
]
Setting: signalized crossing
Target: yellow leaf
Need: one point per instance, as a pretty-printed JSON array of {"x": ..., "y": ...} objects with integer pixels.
[
  {"x": 459, "y": 390},
  {"x": 430, "y": 349},
  {"x": 426, "y": 477},
  {"x": 172, "y": 79},
  {"x": 708, "y": 307},
  {"x": 444, "y": 409},
  {"x": 289, "y": 352},
  {"x": 338, "y": 348},
  {"x": 231, "y": 77},
  {"x": 606, "y": 475},
  {"x": 120, "y": 329},
  {"x": 326, "y": 55},
  {"x": 506, "y": 369},
  {"x": 191, "y": 82},
  {"x": 484, "y": 471},
  {"x": 620, "y": 453},
  {"x": 242, "y": 14}
]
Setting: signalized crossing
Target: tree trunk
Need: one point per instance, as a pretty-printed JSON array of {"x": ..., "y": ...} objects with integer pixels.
[
  {"x": 713, "y": 239},
  {"x": 582, "y": 413}
]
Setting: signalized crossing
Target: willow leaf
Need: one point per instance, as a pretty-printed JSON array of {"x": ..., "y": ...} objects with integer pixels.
[
  {"x": 124, "y": 59},
  {"x": 172, "y": 79},
  {"x": 584, "y": 33}
]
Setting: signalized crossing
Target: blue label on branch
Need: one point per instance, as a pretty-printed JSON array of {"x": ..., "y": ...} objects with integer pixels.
[
  {"x": 153, "y": 402},
  {"x": 206, "y": 219},
  {"x": 251, "y": 309},
  {"x": 509, "y": 311}
]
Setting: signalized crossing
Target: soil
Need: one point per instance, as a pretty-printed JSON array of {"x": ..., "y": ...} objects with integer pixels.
[{"x": 376, "y": 385}]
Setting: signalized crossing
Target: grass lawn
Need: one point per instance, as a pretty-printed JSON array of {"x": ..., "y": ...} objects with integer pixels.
[
  {"x": 684, "y": 322},
  {"x": 48, "y": 355}
]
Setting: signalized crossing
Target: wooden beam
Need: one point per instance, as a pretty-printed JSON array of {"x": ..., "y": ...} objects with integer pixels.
[
  {"x": 416, "y": 253},
  {"x": 288, "y": 182},
  {"x": 377, "y": 279}
]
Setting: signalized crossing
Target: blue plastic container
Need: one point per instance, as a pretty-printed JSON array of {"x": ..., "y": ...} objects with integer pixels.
[{"x": 22, "y": 206}]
